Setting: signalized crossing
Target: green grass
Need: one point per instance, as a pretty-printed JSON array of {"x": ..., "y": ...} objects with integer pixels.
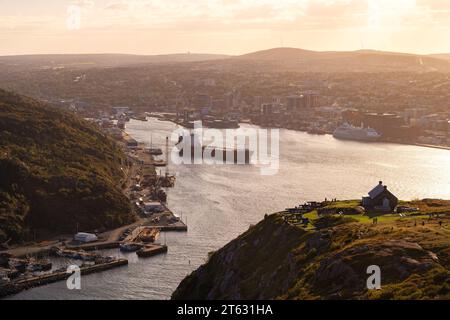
[
  {"x": 427, "y": 207},
  {"x": 276, "y": 260},
  {"x": 344, "y": 204}
]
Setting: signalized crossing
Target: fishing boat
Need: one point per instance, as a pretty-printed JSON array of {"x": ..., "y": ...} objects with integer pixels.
[
  {"x": 149, "y": 235},
  {"x": 130, "y": 247},
  {"x": 18, "y": 264},
  {"x": 73, "y": 254},
  {"x": 221, "y": 124},
  {"x": 151, "y": 250},
  {"x": 140, "y": 117},
  {"x": 4, "y": 281},
  {"x": 40, "y": 265},
  {"x": 154, "y": 151},
  {"x": 159, "y": 163}
]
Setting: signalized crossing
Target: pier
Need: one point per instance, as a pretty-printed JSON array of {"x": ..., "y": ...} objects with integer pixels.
[
  {"x": 19, "y": 285},
  {"x": 146, "y": 190}
]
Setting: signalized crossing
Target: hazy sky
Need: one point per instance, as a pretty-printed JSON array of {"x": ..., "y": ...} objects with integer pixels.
[{"x": 222, "y": 26}]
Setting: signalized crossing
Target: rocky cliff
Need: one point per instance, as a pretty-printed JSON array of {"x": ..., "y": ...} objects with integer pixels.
[{"x": 280, "y": 260}]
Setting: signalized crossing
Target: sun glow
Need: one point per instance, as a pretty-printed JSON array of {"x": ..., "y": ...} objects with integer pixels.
[{"x": 382, "y": 13}]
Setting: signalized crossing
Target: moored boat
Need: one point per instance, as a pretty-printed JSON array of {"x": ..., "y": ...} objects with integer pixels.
[
  {"x": 41, "y": 265},
  {"x": 151, "y": 250},
  {"x": 130, "y": 247},
  {"x": 349, "y": 132},
  {"x": 154, "y": 151}
]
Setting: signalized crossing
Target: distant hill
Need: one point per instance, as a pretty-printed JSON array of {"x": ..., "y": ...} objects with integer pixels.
[
  {"x": 99, "y": 60},
  {"x": 279, "y": 258},
  {"x": 445, "y": 56},
  {"x": 56, "y": 171},
  {"x": 276, "y": 59},
  {"x": 292, "y": 59}
]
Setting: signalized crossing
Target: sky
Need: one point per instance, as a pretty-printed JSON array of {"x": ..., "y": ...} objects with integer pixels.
[{"x": 222, "y": 26}]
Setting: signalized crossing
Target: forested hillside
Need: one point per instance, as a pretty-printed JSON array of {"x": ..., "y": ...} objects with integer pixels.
[{"x": 56, "y": 171}]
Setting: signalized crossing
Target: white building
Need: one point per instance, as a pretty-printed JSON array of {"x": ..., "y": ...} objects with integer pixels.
[{"x": 85, "y": 237}]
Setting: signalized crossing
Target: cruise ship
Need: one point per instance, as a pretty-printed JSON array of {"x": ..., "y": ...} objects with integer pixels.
[{"x": 349, "y": 132}]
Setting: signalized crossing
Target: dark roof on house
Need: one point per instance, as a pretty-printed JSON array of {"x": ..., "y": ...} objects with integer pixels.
[{"x": 375, "y": 192}]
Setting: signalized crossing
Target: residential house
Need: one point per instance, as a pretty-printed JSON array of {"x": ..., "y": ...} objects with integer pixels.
[{"x": 380, "y": 198}]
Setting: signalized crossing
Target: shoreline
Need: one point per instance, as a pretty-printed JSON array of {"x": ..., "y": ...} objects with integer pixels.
[
  {"x": 109, "y": 239},
  {"x": 162, "y": 118}
]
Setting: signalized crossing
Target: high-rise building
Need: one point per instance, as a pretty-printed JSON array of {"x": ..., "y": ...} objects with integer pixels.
[
  {"x": 232, "y": 99},
  {"x": 297, "y": 103},
  {"x": 293, "y": 103},
  {"x": 267, "y": 108},
  {"x": 311, "y": 99},
  {"x": 257, "y": 101}
]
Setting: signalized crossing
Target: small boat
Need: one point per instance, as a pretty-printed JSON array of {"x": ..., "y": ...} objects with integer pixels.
[
  {"x": 4, "y": 259},
  {"x": 168, "y": 181},
  {"x": 18, "y": 264},
  {"x": 154, "y": 151},
  {"x": 159, "y": 163},
  {"x": 221, "y": 124},
  {"x": 141, "y": 117},
  {"x": 4, "y": 281},
  {"x": 73, "y": 254},
  {"x": 41, "y": 265},
  {"x": 121, "y": 124},
  {"x": 149, "y": 235},
  {"x": 151, "y": 250},
  {"x": 130, "y": 247}
]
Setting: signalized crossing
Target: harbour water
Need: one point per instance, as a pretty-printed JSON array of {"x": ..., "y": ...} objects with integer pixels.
[{"x": 220, "y": 202}]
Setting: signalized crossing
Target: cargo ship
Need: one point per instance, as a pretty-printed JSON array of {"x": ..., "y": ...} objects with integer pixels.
[
  {"x": 349, "y": 132},
  {"x": 236, "y": 154},
  {"x": 221, "y": 124}
]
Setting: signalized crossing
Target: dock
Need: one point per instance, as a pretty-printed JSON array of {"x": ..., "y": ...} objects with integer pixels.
[
  {"x": 28, "y": 283},
  {"x": 96, "y": 246},
  {"x": 143, "y": 234},
  {"x": 166, "y": 221}
]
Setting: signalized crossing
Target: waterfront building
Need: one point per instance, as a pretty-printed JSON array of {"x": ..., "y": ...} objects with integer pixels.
[
  {"x": 294, "y": 103},
  {"x": 298, "y": 103},
  {"x": 257, "y": 102},
  {"x": 85, "y": 237},
  {"x": 311, "y": 99}
]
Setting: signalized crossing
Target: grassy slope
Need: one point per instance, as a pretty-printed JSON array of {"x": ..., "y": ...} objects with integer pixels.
[
  {"x": 57, "y": 171},
  {"x": 328, "y": 259}
]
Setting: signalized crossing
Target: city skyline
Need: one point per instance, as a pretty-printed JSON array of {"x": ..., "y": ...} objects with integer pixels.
[{"x": 222, "y": 26}]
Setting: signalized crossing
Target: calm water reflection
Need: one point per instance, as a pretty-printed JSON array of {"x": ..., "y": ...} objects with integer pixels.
[{"x": 220, "y": 202}]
